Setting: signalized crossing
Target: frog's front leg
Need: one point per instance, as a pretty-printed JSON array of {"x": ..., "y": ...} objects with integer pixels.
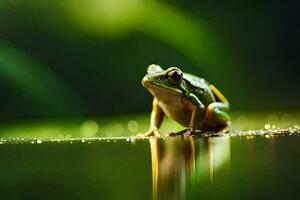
[
  {"x": 157, "y": 116},
  {"x": 197, "y": 109}
]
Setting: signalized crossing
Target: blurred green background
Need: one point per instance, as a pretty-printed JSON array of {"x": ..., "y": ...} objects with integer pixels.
[
  {"x": 86, "y": 58},
  {"x": 70, "y": 82}
]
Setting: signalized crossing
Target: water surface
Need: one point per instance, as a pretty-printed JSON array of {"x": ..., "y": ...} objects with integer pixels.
[{"x": 244, "y": 164}]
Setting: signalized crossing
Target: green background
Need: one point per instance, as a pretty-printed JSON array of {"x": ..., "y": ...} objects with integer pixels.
[
  {"x": 70, "y": 74},
  {"x": 86, "y": 58}
]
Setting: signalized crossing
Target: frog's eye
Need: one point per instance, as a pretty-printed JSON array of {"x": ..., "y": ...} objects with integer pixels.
[{"x": 174, "y": 76}]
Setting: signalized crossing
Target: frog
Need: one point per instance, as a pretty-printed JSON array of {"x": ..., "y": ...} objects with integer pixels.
[{"x": 187, "y": 99}]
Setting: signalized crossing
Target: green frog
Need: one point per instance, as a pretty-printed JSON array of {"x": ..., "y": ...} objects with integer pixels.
[{"x": 189, "y": 100}]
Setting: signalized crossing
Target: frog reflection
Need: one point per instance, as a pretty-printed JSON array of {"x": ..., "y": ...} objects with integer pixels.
[{"x": 178, "y": 163}]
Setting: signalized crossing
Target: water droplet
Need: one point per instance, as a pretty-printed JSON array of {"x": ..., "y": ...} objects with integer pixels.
[
  {"x": 39, "y": 141},
  {"x": 89, "y": 128},
  {"x": 248, "y": 137},
  {"x": 267, "y": 126},
  {"x": 133, "y": 126},
  {"x": 267, "y": 136},
  {"x": 82, "y": 141},
  {"x": 261, "y": 132}
]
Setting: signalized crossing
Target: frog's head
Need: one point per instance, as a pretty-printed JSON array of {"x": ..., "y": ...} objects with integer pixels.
[{"x": 160, "y": 81}]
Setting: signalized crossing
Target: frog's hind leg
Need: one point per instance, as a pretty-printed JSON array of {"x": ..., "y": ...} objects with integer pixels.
[
  {"x": 178, "y": 133},
  {"x": 216, "y": 114},
  {"x": 217, "y": 131}
]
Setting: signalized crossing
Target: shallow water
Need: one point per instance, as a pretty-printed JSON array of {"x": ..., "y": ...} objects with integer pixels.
[
  {"x": 244, "y": 164},
  {"x": 181, "y": 168}
]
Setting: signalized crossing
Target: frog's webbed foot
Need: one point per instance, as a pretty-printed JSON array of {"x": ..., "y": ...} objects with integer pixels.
[
  {"x": 189, "y": 132},
  {"x": 208, "y": 133},
  {"x": 171, "y": 134},
  {"x": 218, "y": 131},
  {"x": 185, "y": 132},
  {"x": 152, "y": 132}
]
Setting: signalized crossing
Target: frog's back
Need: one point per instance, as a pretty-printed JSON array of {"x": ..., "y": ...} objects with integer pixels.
[
  {"x": 195, "y": 80},
  {"x": 200, "y": 87}
]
